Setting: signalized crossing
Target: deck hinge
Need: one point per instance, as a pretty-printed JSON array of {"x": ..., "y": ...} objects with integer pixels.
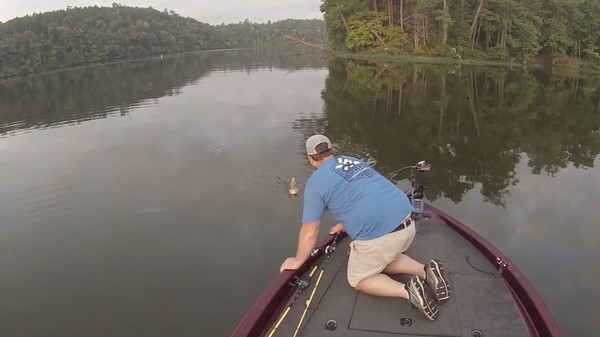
[{"x": 502, "y": 265}]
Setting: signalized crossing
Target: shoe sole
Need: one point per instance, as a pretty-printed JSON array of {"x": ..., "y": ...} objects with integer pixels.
[
  {"x": 428, "y": 308},
  {"x": 438, "y": 283}
]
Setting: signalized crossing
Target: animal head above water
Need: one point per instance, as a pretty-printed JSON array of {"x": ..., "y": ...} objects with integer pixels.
[{"x": 293, "y": 190}]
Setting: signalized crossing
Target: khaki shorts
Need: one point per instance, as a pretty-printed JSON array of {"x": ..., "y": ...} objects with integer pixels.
[{"x": 370, "y": 257}]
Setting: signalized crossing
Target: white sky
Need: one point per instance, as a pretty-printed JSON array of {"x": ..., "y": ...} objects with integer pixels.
[{"x": 209, "y": 11}]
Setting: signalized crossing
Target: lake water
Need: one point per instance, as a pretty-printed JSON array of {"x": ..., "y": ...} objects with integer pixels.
[{"x": 149, "y": 198}]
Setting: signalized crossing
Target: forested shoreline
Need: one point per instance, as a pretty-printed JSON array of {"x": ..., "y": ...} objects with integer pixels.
[
  {"x": 81, "y": 36},
  {"x": 552, "y": 32},
  {"x": 561, "y": 32}
]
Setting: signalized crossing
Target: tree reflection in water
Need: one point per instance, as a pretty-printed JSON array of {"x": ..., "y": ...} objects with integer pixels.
[{"x": 472, "y": 123}]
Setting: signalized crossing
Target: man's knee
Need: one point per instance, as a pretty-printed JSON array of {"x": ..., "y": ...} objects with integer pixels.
[{"x": 356, "y": 285}]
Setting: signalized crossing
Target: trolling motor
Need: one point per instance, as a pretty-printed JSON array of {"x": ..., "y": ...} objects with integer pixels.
[{"x": 417, "y": 192}]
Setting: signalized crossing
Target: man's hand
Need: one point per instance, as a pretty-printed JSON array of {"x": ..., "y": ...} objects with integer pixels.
[
  {"x": 290, "y": 263},
  {"x": 306, "y": 243},
  {"x": 337, "y": 229}
]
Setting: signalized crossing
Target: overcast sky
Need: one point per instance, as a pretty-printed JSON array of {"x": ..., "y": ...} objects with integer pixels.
[{"x": 209, "y": 11}]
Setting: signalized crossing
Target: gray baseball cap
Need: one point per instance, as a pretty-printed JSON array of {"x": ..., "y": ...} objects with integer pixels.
[{"x": 313, "y": 141}]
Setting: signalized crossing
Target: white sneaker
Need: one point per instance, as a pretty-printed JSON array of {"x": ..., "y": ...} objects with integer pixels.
[
  {"x": 418, "y": 297},
  {"x": 436, "y": 281}
]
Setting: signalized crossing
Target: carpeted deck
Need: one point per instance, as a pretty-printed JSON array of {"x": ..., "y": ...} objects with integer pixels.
[{"x": 480, "y": 301}]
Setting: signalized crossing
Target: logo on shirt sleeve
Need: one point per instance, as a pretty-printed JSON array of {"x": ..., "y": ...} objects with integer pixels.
[{"x": 351, "y": 169}]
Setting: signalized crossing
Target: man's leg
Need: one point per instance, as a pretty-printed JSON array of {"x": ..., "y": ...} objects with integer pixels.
[
  {"x": 382, "y": 285},
  {"x": 436, "y": 279},
  {"x": 404, "y": 264},
  {"x": 365, "y": 276},
  {"x": 414, "y": 292}
]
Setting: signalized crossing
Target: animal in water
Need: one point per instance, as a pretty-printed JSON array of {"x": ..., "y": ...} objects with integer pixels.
[{"x": 293, "y": 190}]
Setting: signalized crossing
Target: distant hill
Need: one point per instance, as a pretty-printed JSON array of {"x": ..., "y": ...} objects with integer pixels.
[{"x": 81, "y": 36}]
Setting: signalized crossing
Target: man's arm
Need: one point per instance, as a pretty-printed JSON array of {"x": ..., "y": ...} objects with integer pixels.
[{"x": 306, "y": 243}]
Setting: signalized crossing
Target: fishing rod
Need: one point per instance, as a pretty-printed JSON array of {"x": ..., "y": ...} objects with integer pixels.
[
  {"x": 304, "y": 282},
  {"x": 328, "y": 250},
  {"x": 421, "y": 166}
]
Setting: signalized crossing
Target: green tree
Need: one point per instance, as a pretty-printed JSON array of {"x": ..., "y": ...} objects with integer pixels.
[{"x": 495, "y": 29}]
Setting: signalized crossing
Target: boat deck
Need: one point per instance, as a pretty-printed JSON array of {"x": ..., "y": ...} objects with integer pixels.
[{"x": 481, "y": 304}]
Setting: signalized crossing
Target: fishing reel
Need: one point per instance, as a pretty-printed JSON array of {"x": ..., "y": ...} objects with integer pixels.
[
  {"x": 301, "y": 282},
  {"x": 330, "y": 248},
  {"x": 326, "y": 250}
]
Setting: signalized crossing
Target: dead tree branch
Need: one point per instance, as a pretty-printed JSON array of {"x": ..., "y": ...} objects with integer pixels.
[
  {"x": 379, "y": 38},
  {"x": 295, "y": 41}
]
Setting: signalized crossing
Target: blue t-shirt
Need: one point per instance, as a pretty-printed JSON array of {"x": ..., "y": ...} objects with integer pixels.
[{"x": 356, "y": 195}]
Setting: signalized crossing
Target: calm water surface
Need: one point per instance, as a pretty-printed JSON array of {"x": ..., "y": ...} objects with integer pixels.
[{"x": 149, "y": 198}]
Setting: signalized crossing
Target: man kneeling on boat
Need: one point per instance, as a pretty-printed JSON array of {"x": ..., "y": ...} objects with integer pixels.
[{"x": 376, "y": 214}]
